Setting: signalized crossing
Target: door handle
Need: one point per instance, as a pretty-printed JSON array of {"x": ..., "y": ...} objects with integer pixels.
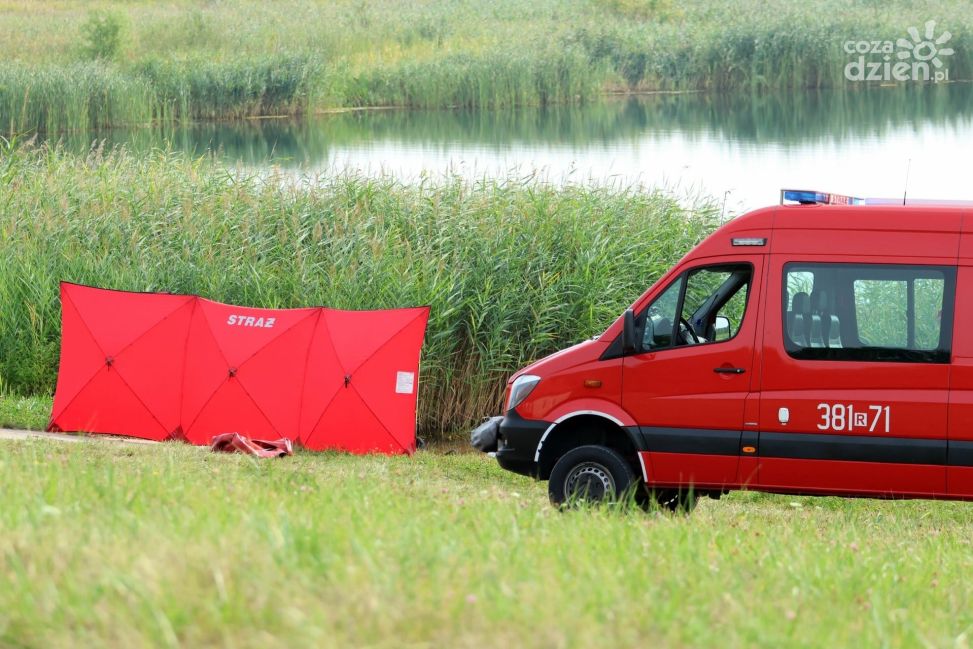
[{"x": 729, "y": 370}]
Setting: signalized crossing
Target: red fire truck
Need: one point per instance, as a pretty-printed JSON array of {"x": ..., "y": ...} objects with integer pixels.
[{"x": 821, "y": 346}]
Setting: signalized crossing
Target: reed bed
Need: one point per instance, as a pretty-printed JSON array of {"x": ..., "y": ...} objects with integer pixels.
[
  {"x": 512, "y": 269},
  {"x": 198, "y": 89},
  {"x": 96, "y": 94},
  {"x": 497, "y": 79},
  {"x": 73, "y": 97},
  {"x": 182, "y": 61}
]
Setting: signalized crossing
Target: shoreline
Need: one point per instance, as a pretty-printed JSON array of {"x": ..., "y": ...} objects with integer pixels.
[{"x": 606, "y": 95}]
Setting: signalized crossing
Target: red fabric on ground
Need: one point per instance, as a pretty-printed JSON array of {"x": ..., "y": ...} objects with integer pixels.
[{"x": 237, "y": 443}]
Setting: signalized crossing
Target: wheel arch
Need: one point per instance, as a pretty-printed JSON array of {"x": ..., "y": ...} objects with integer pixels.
[{"x": 584, "y": 427}]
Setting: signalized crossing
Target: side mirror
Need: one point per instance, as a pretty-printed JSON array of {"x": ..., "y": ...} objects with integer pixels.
[
  {"x": 629, "y": 344},
  {"x": 721, "y": 328}
]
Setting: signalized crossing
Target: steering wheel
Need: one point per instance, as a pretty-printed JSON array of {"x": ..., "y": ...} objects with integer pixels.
[{"x": 687, "y": 333}]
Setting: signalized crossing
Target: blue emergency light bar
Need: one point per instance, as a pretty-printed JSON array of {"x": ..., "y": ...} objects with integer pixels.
[{"x": 807, "y": 197}]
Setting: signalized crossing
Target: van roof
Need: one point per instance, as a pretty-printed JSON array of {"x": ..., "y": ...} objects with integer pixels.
[
  {"x": 814, "y": 197},
  {"x": 926, "y": 230},
  {"x": 927, "y": 217}
]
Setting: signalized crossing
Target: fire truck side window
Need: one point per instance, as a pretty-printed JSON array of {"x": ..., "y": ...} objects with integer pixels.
[
  {"x": 659, "y": 317},
  {"x": 713, "y": 302},
  {"x": 868, "y": 312}
]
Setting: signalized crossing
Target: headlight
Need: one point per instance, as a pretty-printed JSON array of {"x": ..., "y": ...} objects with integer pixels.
[{"x": 523, "y": 385}]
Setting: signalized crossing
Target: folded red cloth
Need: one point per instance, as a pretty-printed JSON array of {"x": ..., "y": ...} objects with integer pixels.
[{"x": 237, "y": 443}]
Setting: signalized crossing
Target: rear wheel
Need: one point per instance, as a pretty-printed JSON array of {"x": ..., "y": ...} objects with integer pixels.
[{"x": 592, "y": 474}]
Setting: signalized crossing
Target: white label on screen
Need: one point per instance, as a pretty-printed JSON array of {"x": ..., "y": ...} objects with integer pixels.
[{"x": 404, "y": 382}]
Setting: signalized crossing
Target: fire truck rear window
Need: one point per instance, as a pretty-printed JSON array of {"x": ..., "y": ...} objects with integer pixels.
[{"x": 868, "y": 312}]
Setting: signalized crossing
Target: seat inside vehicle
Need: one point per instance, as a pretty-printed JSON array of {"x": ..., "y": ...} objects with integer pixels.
[{"x": 798, "y": 319}]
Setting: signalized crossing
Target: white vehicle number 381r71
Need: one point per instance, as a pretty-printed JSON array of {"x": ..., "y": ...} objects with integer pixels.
[{"x": 841, "y": 417}]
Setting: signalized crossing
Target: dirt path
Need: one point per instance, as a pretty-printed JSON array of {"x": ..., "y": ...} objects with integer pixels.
[{"x": 9, "y": 434}]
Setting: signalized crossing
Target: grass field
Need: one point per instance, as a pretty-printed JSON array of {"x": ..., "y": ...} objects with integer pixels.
[
  {"x": 75, "y": 65},
  {"x": 513, "y": 270},
  {"x": 116, "y": 545},
  {"x": 30, "y": 413}
]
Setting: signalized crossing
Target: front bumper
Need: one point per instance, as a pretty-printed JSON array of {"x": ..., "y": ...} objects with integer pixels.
[{"x": 515, "y": 438}]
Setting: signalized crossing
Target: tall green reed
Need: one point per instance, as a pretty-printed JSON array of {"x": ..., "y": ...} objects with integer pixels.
[
  {"x": 249, "y": 60},
  {"x": 92, "y": 95},
  {"x": 512, "y": 270},
  {"x": 494, "y": 79},
  {"x": 74, "y": 97}
]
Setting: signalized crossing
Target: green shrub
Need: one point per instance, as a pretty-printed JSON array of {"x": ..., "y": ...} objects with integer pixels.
[{"x": 101, "y": 35}]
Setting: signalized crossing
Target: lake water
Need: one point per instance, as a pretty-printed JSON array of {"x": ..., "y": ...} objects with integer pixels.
[{"x": 739, "y": 148}]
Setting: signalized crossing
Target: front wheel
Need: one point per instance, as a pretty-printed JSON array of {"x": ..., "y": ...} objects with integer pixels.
[{"x": 591, "y": 474}]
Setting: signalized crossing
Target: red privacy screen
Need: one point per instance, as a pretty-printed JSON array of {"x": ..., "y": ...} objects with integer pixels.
[{"x": 162, "y": 366}]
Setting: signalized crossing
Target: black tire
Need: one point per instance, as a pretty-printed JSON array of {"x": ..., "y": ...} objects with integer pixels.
[{"x": 594, "y": 475}]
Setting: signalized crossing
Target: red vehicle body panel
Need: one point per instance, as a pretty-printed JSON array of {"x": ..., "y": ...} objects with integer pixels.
[{"x": 790, "y": 420}]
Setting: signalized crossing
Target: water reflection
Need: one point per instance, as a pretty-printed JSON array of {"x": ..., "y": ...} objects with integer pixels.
[{"x": 746, "y": 145}]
